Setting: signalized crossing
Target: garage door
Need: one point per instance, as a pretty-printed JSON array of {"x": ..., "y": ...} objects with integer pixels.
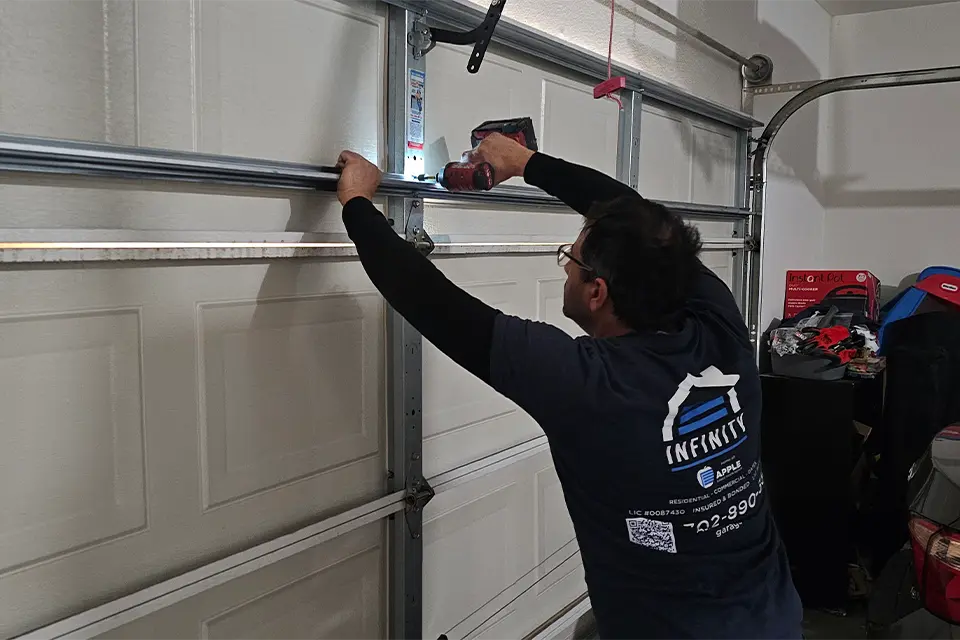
[
  {"x": 158, "y": 416},
  {"x": 214, "y": 422}
]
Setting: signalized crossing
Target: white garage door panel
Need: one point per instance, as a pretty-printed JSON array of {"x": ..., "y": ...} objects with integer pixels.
[
  {"x": 721, "y": 263},
  {"x": 686, "y": 159},
  {"x": 457, "y": 101},
  {"x": 568, "y": 121},
  {"x": 38, "y": 204},
  {"x": 462, "y": 223},
  {"x": 90, "y": 434},
  {"x": 334, "y": 590},
  {"x": 483, "y": 541},
  {"x": 556, "y": 543},
  {"x": 162, "y": 416},
  {"x": 289, "y": 387},
  {"x": 471, "y": 553},
  {"x": 68, "y": 71},
  {"x": 464, "y": 419},
  {"x": 664, "y": 158},
  {"x": 577, "y": 127},
  {"x": 291, "y": 80},
  {"x": 714, "y": 165},
  {"x": 550, "y": 303}
]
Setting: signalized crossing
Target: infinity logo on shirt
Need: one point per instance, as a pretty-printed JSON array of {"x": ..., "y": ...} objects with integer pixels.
[{"x": 704, "y": 421}]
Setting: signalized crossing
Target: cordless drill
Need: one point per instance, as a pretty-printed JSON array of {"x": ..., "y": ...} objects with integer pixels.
[{"x": 481, "y": 176}]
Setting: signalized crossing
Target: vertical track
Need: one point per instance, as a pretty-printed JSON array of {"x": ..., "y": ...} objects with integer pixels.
[{"x": 404, "y": 350}]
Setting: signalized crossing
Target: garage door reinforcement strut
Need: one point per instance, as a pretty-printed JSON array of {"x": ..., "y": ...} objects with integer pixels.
[{"x": 423, "y": 39}]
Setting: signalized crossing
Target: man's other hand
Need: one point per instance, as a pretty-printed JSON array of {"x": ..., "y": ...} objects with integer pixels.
[
  {"x": 358, "y": 177},
  {"x": 508, "y": 157}
]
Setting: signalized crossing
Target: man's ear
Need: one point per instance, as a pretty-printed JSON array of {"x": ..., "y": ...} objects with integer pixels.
[{"x": 599, "y": 294}]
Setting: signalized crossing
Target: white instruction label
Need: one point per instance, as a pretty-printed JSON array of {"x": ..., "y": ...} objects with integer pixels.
[{"x": 415, "y": 120}]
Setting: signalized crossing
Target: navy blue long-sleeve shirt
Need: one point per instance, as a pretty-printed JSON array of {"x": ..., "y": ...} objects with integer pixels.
[{"x": 655, "y": 437}]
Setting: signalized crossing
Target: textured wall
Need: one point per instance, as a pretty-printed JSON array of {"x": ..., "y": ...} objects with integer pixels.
[{"x": 892, "y": 190}]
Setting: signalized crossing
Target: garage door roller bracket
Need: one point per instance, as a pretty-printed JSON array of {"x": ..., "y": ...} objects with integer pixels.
[{"x": 423, "y": 39}]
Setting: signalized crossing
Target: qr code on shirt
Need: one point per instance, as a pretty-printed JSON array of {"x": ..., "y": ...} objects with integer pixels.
[{"x": 654, "y": 534}]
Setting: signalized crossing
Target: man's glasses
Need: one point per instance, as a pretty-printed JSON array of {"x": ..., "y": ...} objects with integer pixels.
[{"x": 565, "y": 255}]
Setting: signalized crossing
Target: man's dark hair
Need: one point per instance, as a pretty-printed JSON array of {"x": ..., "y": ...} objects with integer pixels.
[{"x": 648, "y": 256}]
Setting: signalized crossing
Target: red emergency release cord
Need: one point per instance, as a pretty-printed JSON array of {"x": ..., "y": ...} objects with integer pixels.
[
  {"x": 613, "y": 13},
  {"x": 606, "y": 88}
]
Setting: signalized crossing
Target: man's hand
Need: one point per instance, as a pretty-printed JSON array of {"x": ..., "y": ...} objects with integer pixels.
[
  {"x": 358, "y": 177},
  {"x": 508, "y": 157}
]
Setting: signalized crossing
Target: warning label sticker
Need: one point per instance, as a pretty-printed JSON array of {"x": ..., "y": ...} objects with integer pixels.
[{"x": 415, "y": 120}]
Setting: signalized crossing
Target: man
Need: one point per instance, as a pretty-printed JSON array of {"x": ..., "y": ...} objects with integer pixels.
[{"x": 652, "y": 420}]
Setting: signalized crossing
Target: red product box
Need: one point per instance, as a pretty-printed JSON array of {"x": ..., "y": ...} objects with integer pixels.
[{"x": 855, "y": 291}]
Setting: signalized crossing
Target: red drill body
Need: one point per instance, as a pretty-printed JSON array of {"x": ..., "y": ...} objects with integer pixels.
[{"x": 465, "y": 176}]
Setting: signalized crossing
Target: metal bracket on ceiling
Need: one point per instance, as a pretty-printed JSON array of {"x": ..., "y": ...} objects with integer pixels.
[
  {"x": 414, "y": 231},
  {"x": 423, "y": 39},
  {"x": 419, "y": 493}
]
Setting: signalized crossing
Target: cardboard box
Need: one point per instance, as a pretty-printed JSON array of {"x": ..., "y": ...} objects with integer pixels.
[{"x": 849, "y": 290}]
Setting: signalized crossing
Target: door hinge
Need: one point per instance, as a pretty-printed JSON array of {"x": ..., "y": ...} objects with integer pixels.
[
  {"x": 419, "y": 493},
  {"x": 415, "y": 233}
]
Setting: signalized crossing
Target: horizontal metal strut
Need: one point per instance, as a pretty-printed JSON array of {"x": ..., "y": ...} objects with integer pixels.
[{"x": 35, "y": 155}]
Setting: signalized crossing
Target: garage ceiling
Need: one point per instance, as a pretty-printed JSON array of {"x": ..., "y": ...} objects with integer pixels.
[{"x": 846, "y": 7}]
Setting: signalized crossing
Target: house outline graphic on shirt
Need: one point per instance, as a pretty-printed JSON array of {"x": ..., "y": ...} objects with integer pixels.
[{"x": 708, "y": 429}]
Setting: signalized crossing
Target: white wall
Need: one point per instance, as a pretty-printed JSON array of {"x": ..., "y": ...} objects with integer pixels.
[
  {"x": 892, "y": 191},
  {"x": 794, "y": 33}
]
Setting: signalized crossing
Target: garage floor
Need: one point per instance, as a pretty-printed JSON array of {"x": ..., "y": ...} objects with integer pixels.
[{"x": 820, "y": 625}]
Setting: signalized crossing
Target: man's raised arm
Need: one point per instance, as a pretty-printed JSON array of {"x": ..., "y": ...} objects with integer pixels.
[
  {"x": 458, "y": 324},
  {"x": 529, "y": 362},
  {"x": 577, "y": 186}
]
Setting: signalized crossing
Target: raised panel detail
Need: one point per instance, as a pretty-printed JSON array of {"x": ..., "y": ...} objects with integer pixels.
[
  {"x": 471, "y": 555},
  {"x": 714, "y": 157},
  {"x": 291, "y": 80},
  {"x": 334, "y": 591},
  {"x": 68, "y": 69},
  {"x": 578, "y": 128},
  {"x": 454, "y": 398},
  {"x": 686, "y": 160},
  {"x": 556, "y": 540},
  {"x": 289, "y": 389},
  {"x": 721, "y": 263},
  {"x": 463, "y": 418},
  {"x": 334, "y": 602},
  {"x": 71, "y": 433},
  {"x": 664, "y": 156}
]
